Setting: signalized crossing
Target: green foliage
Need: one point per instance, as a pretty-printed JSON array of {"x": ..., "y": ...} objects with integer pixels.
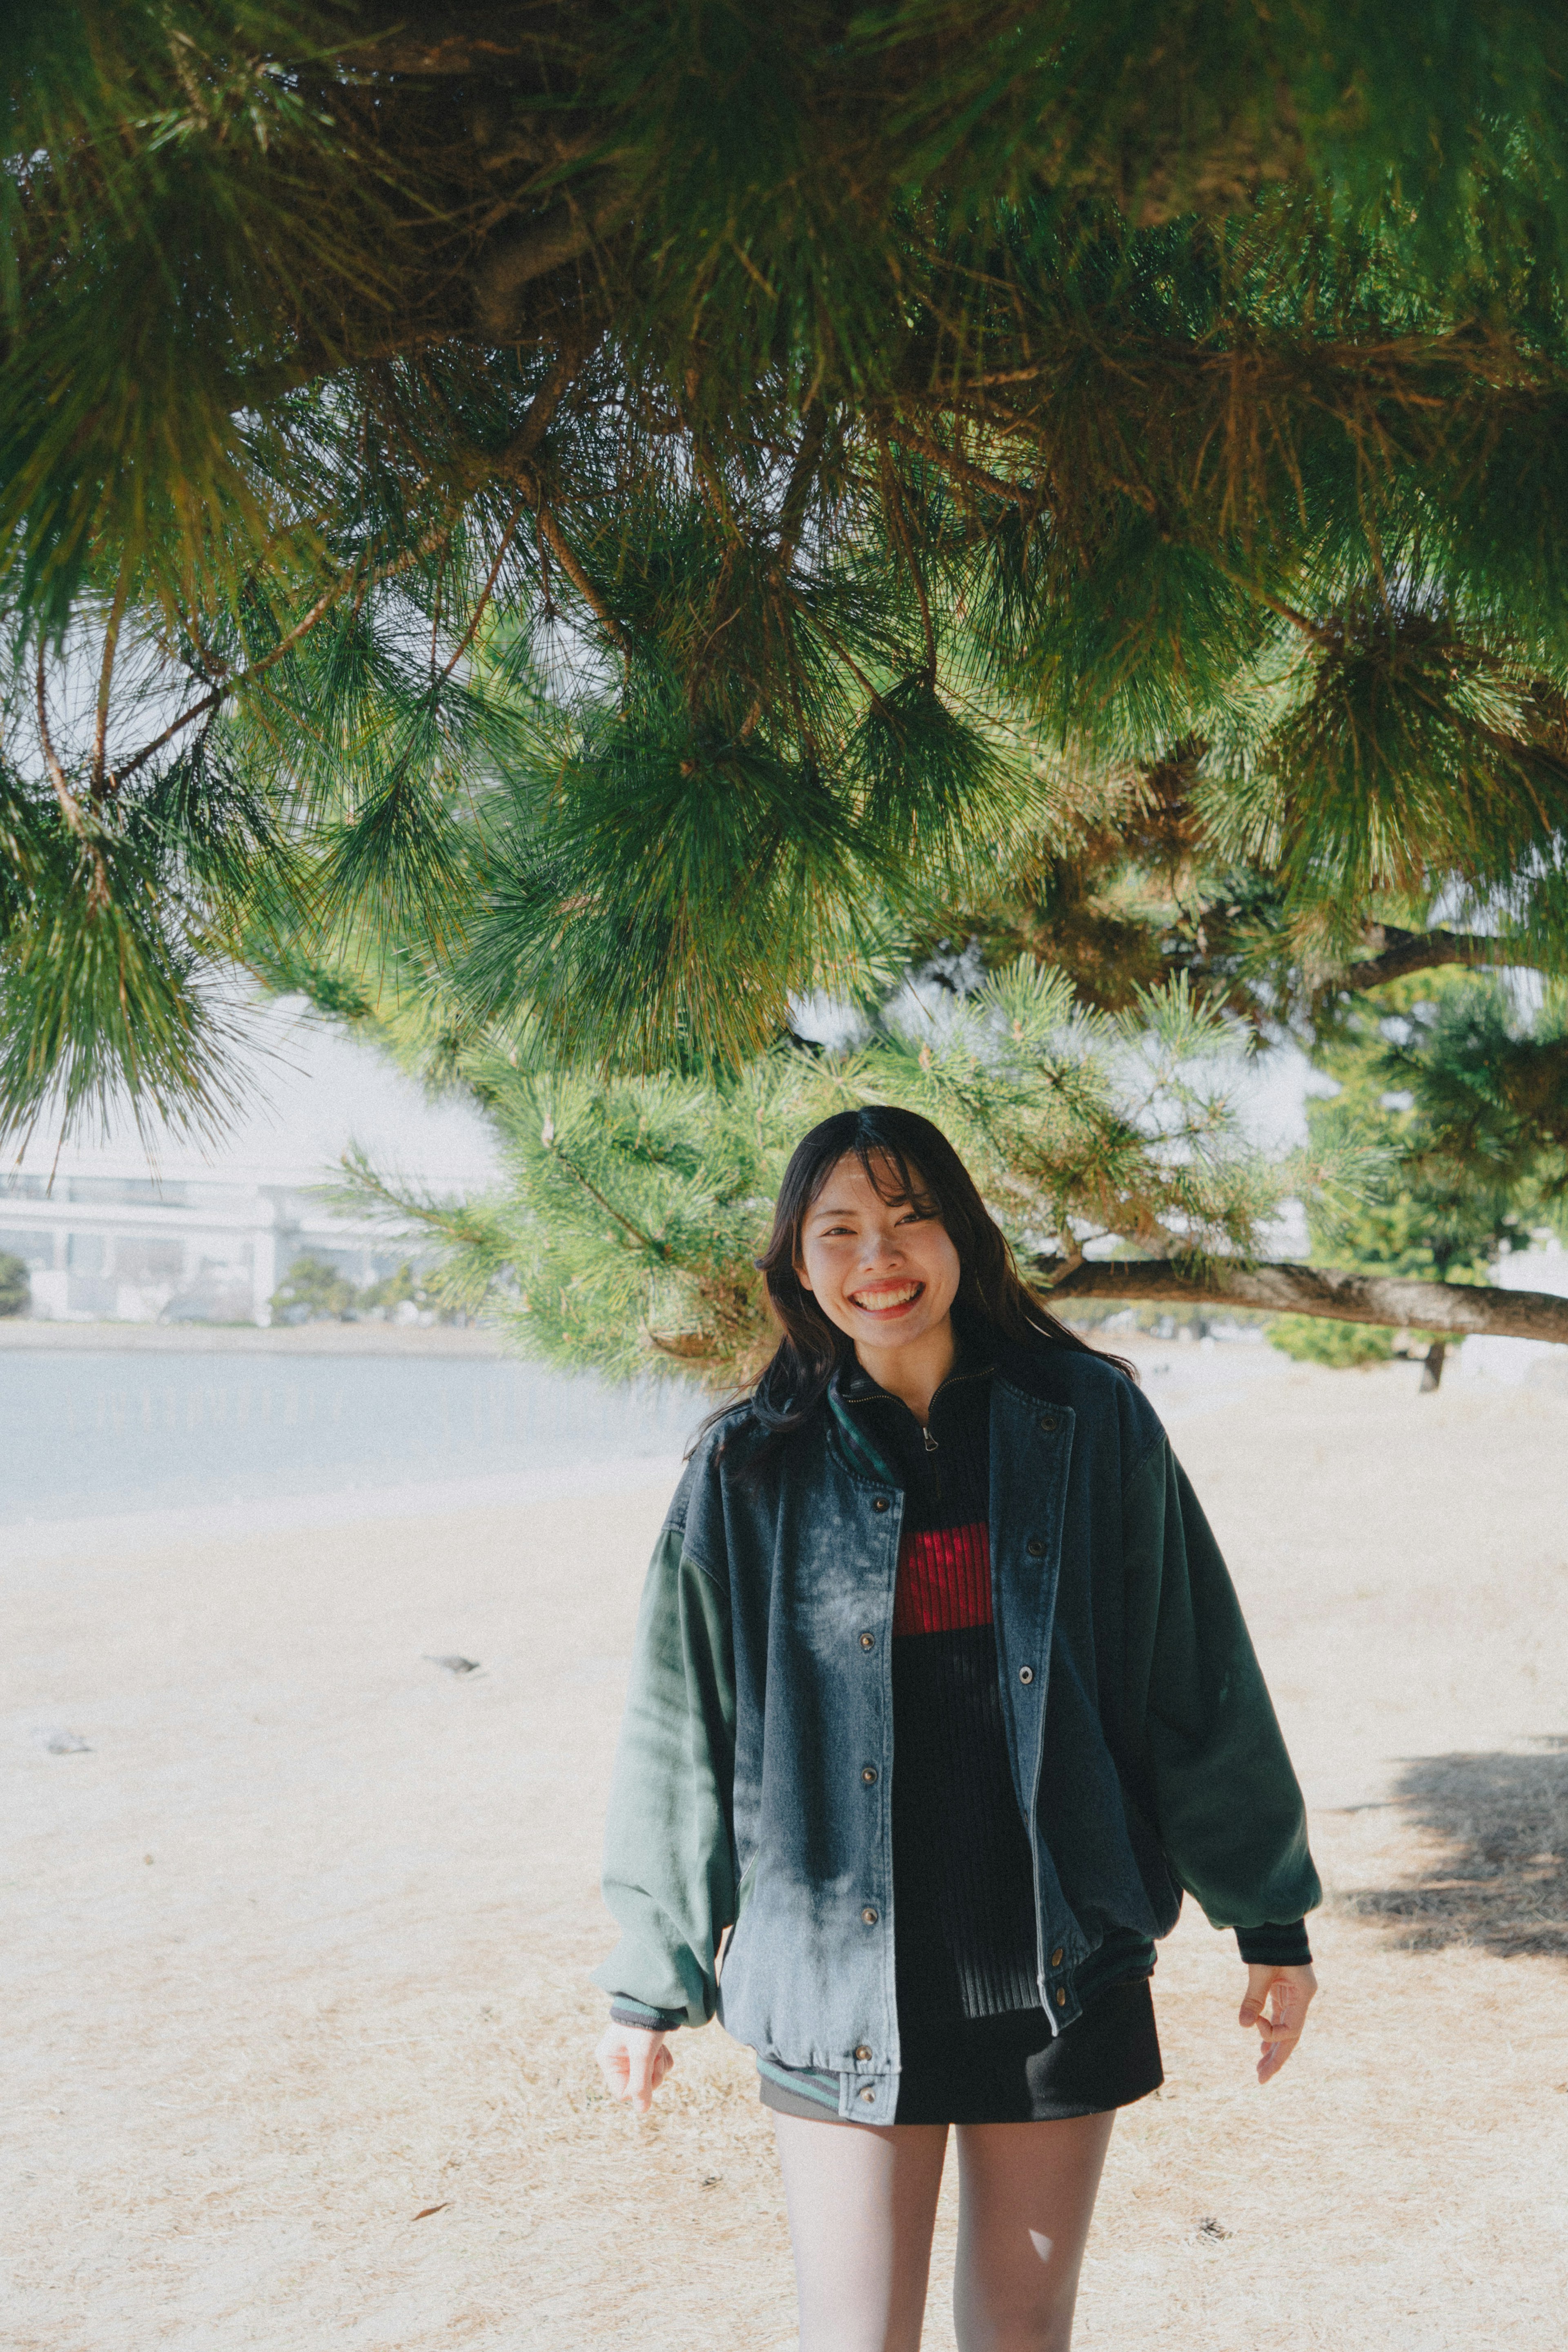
[
  {"x": 404, "y": 1288},
  {"x": 1464, "y": 1097},
  {"x": 1313, "y": 1339},
  {"x": 1462, "y": 1102},
  {"x": 1489, "y": 1094},
  {"x": 15, "y": 1284},
  {"x": 313, "y": 1291},
  {"x": 681, "y": 505}
]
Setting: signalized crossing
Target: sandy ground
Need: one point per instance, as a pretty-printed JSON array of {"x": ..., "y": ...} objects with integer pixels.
[{"x": 297, "y": 2045}]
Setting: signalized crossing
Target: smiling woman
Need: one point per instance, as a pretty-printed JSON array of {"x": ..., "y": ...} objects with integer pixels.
[
  {"x": 876, "y": 1204},
  {"x": 941, "y": 1529}
]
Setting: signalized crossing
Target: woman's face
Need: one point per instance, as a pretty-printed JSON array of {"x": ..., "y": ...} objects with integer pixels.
[{"x": 883, "y": 1271}]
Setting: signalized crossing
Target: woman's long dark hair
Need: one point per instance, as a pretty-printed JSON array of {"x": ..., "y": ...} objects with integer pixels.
[{"x": 992, "y": 1302}]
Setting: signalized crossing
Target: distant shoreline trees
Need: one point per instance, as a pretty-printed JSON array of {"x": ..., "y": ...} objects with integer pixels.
[
  {"x": 314, "y": 1291},
  {"x": 15, "y": 1284}
]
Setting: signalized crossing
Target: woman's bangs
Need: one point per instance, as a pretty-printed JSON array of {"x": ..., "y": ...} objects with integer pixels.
[{"x": 912, "y": 1185}]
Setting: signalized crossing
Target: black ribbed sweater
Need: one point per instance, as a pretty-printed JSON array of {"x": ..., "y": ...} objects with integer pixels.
[{"x": 964, "y": 1926}]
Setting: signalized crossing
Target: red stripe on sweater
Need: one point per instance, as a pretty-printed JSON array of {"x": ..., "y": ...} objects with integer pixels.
[{"x": 943, "y": 1580}]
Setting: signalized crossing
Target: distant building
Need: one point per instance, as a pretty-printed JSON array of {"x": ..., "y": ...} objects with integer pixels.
[{"x": 114, "y": 1243}]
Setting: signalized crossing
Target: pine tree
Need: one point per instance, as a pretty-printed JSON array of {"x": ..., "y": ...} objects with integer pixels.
[
  {"x": 935, "y": 446},
  {"x": 1464, "y": 1102}
]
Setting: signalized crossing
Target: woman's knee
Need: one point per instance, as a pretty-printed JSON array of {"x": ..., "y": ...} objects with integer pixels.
[
  {"x": 1012, "y": 2312},
  {"x": 1033, "y": 2329}
]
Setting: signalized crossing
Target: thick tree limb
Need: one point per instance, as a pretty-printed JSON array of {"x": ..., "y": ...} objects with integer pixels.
[
  {"x": 1342, "y": 1297},
  {"x": 1404, "y": 951},
  {"x": 512, "y": 258},
  {"x": 455, "y": 58}
]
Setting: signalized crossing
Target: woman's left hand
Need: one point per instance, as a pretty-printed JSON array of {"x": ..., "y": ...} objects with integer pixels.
[{"x": 1276, "y": 2002}]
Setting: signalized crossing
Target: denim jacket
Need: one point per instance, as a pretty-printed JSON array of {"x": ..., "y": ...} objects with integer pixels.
[{"x": 752, "y": 1781}]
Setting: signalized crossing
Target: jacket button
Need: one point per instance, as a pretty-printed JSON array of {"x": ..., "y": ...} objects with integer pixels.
[
  {"x": 868, "y": 1773},
  {"x": 1060, "y": 1997},
  {"x": 1025, "y": 1673},
  {"x": 869, "y": 2097},
  {"x": 879, "y": 1503},
  {"x": 1048, "y": 1422},
  {"x": 1035, "y": 1548},
  {"x": 869, "y": 1916},
  {"x": 868, "y": 1641},
  {"x": 862, "y": 2052},
  {"x": 1057, "y": 1957}
]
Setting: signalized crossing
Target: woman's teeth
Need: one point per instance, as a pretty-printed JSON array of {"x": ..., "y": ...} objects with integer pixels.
[{"x": 879, "y": 1300}]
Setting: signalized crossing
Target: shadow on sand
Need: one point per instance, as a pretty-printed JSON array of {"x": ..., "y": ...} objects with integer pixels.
[{"x": 1492, "y": 1834}]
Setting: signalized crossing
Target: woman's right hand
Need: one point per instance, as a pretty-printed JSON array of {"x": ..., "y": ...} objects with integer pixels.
[{"x": 633, "y": 2062}]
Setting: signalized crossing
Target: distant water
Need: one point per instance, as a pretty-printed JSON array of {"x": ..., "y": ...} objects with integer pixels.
[{"x": 103, "y": 1432}]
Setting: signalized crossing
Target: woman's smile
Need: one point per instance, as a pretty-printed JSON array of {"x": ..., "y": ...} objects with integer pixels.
[{"x": 884, "y": 1300}]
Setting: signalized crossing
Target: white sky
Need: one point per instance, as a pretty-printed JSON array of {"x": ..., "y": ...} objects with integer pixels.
[{"x": 313, "y": 1090}]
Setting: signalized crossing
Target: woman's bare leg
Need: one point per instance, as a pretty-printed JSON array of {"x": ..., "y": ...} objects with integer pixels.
[
  {"x": 1026, "y": 2198},
  {"x": 863, "y": 2204}
]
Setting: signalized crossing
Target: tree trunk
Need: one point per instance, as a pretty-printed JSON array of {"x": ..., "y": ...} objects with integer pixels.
[{"x": 1451, "y": 1307}]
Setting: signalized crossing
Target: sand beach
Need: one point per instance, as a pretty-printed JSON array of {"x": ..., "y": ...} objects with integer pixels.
[{"x": 298, "y": 2045}]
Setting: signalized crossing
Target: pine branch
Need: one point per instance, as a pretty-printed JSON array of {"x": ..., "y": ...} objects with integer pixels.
[
  {"x": 358, "y": 579},
  {"x": 1282, "y": 1289},
  {"x": 555, "y": 539},
  {"x": 105, "y": 682},
  {"x": 798, "y": 490},
  {"x": 486, "y": 594},
  {"x": 70, "y": 807},
  {"x": 1402, "y": 951},
  {"x": 290, "y": 282}
]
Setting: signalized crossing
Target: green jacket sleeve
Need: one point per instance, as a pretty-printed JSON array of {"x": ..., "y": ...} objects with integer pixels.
[
  {"x": 1228, "y": 1807},
  {"x": 669, "y": 1853}
]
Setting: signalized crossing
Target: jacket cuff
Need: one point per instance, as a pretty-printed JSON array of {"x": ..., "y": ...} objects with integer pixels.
[
  {"x": 1273, "y": 1945},
  {"x": 625, "y": 2012}
]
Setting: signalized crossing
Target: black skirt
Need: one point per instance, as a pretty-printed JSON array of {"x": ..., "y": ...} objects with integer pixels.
[{"x": 1013, "y": 2070}]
